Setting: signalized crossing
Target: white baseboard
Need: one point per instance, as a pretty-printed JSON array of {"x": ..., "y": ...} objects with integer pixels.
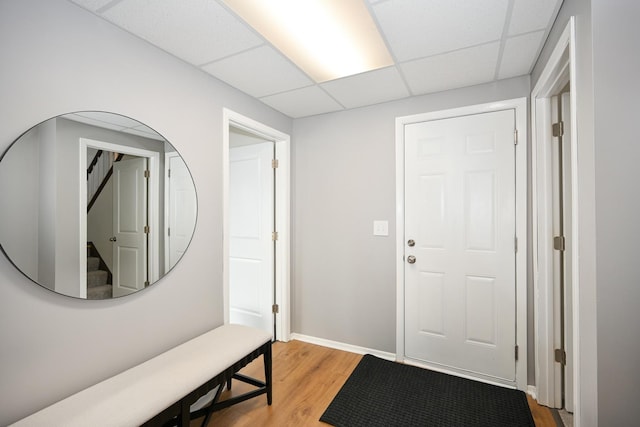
[
  {"x": 342, "y": 346},
  {"x": 532, "y": 391}
]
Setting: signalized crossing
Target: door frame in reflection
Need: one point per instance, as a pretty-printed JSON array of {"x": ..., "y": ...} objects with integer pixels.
[{"x": 153, "y": 238}]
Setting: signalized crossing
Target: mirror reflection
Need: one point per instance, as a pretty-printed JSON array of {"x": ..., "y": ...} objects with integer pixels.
[{"x": 95, "y": 205}]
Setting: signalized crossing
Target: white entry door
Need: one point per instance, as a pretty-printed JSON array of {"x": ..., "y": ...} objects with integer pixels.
[
  {"x": 460, "y": 290},
  {"x": 181, "y": 210},
  {"x": 251, "y": 247},
  {"x": 129, "y": 221}
]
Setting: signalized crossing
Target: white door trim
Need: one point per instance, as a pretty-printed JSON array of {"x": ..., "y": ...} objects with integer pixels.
[
  {"x": 559, "y": 70},
  {"x": 282, "y": 144},
  {"x": 153, "y": 200},
  {"x": 520, "y": 106}
]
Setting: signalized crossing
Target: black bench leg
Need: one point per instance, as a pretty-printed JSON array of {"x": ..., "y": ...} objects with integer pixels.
[{"x": 267, "y": 373}]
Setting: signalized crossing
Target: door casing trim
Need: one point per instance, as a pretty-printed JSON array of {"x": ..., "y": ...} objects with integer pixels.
[
  {"x": 520, "y": 107},
  {"x": 560, "y": 68},
  {"x": 282, "y": 143}
]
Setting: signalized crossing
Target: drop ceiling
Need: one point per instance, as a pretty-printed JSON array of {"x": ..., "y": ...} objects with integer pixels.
[{"x": 436, "y": 45}]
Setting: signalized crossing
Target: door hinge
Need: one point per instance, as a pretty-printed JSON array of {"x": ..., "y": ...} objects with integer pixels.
[
  {"x": 560, "y": 356},
  {"x": 147, "y": 230},
  {"x": 275, "y": 309},
  {"x": 558, "y": 243},
  {"x": 516, "y": 352},
  {"x": 169, "y": 231},
  {"x": 515, "y": 137},
  {"x": 168, "y": 173},
  {"x": 275, "y": 163},
  {"x": 274, "y": 236},
  {"x": 147, "y": 174},
  {"x": 515, "y": 244},
  {"x": 146, "y": 284},
  {"x": 557, "y": 129}
]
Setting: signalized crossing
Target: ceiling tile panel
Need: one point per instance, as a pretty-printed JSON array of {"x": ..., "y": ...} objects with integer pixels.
[
  {"x": 519, "y": 54},
  {"x": 303, "y": 102},
  {"x": 198, "y": 31},
  {"x": 532, "y": 15},
  {"x": 465, "y": 67},
  {"x": 259, "y": 72},
  {"x": 92, "y": 5},
  {"x": 368, "y": 88},
  {"x": 419, "y": 28},
  {"x": 437, "y": 45}
]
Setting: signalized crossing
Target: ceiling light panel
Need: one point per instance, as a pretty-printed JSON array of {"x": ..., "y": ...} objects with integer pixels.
[{"x": 327, "y": 39}]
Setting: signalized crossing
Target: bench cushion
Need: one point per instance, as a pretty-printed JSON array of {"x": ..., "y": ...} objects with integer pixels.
[{"x": 137, "y": 394}]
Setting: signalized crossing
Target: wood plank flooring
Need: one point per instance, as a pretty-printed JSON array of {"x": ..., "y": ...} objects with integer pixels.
[{"x": 306, "y": 378}]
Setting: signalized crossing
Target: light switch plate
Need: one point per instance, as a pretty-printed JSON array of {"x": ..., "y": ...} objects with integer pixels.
[{"x": 380, "y": 228}]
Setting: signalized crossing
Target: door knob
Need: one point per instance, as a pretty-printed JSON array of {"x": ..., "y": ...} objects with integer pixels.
[
  {"x": 411, "y": 243},
  {"x": 113, "y": 239},
  {"x": 411, "y": 259}
]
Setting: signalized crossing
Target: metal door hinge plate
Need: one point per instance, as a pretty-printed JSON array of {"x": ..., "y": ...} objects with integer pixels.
[
  {"x": 147, "y": 230},
  {"x": 275, "y": 163},
  {"x": 274, "y": 236},
  {"x": 558, "y": 243},
  {"x": 560, "y": 356},
  {"x": 147, "y": 174},
  {"x": 275, "y": 309},
  {"x": 557, "y": 129}
]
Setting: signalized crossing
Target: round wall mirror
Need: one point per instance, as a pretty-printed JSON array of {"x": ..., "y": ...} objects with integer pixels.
[{"x": 95, "y": 205}]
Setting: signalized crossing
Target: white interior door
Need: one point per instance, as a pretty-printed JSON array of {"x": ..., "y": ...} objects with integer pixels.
[
  {"x": 251, "y": 248},
  {"x": 129, "y": 221},
  {"x": 182, "y": 208},
  {"x": 460, "y": 290}
]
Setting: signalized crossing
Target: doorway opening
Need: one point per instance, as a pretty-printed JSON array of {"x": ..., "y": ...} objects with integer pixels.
[
  {"x": 134, "y": 247},
  {"x": 461, "y": 197},
  {"x": 256, "y": 248},
  {"x": 555, "y": 227}
]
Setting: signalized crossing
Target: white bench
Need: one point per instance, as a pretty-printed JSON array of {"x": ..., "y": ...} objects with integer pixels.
[{"x": 164, "y": 388}]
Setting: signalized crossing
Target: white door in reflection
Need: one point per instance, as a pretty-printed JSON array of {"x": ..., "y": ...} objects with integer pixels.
[
  {"x": 182, "y": 207},
  {"x": 460, "y": 289},
  {"x": 129, "y": 221},
  {"x": 251, "y": 248}
]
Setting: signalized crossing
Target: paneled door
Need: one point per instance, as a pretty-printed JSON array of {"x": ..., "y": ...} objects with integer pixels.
[
  {"x": 251, "y": 246},
  {"x": 129, "y": 221},
  {"x": 460, "y": 228},
  {"x": 182, "y": 209}
]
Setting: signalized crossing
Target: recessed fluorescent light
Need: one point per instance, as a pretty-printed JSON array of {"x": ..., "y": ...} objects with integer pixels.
[{"x": 327, "y": 39}]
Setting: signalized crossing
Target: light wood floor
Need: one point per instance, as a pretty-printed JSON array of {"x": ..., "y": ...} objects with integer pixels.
[{"x": 306, "y": 378}]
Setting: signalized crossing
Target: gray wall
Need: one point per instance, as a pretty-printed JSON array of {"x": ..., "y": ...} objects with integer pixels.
[
  {"x": 616, "y": 69},
  {"x": 57, "y": 58},
  {"x": 344, "y": 285},
  {"x": 608, "y": 66},
  {"x": 19, "y": 219}
]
